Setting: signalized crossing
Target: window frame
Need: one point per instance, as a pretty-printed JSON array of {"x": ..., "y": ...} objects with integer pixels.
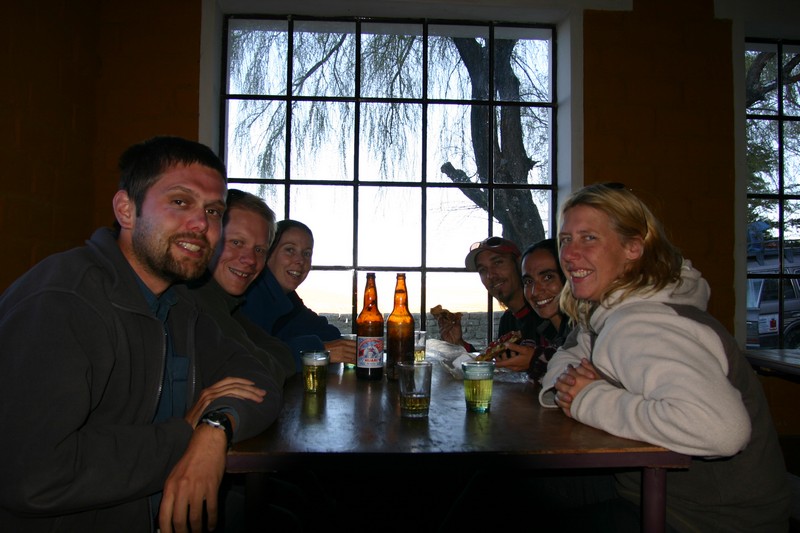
[
  {"x": 786, "y": 271},
  {"x": 424, "y": 184}
]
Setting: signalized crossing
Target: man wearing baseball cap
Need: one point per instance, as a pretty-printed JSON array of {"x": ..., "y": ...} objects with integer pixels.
[{"x": 496, "y": 260}]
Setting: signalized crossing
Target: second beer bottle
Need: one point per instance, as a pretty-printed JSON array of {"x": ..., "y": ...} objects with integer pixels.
[
  {"x": 369, "y": 330},
  {"x": 399, "y": 330}
]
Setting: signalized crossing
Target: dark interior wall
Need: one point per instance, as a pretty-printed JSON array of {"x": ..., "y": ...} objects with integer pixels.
[
  {"x": 47, "y": 116},
  {"x": 147, "y": 84},
  {"x": 82, "y": 81},
  {"x": 659, "y": 117}
]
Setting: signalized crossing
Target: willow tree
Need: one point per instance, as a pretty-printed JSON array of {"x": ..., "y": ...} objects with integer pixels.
[{"x": 503, "y": 139}]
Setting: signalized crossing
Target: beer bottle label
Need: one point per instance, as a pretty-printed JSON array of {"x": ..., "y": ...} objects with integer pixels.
[{"x": 370, "y": 352}]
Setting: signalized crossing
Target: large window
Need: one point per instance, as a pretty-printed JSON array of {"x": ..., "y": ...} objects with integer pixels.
[
  {"x": 399, "y": 142},
  {"x": 773, "y": 193}
]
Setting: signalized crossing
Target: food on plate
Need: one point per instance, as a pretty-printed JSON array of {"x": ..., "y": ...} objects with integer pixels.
[
  {"x": 442, "y": 315},
  {"x": 497, "y": 347}
]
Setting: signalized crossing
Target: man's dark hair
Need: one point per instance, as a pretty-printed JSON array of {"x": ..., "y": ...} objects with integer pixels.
[{"x": 142, "y": 164}]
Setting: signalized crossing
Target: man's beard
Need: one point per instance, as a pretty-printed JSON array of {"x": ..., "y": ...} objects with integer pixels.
[{"x": 154, "y": 251}]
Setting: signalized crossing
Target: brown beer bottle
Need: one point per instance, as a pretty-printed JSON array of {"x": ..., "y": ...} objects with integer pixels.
[
  {"x": 399, "y": 330},
  {"x": 369, "y": 331}
]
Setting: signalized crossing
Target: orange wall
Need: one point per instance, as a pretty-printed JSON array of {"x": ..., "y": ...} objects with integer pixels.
[
  {"x": 659, "y": 111},
  {"x": 83, "y": 80}
]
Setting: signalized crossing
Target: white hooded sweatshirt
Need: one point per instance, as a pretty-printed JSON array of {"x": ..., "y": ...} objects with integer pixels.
[{"x": 666, "y": 374}]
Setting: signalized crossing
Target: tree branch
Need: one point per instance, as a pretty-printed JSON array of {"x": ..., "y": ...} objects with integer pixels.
[{"x": 316, "y": 66}]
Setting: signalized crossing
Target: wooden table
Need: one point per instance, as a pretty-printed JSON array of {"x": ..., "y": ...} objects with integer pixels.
[
  {"x": 357, "y": 423},
  {"x": 785, "y": 362}
]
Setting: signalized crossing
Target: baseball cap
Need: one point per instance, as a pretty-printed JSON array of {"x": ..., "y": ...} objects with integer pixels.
[{"x": 495, "y": 244}]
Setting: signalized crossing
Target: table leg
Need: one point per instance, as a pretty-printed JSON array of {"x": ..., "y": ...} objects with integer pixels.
[{"x": 654, "y": 500}]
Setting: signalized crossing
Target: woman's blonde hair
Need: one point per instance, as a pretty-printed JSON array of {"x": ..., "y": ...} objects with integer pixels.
[{"x": 660, "y": 262}]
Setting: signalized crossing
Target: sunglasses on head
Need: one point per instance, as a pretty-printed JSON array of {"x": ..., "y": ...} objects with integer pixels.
[{"x": 491, "y": 242}]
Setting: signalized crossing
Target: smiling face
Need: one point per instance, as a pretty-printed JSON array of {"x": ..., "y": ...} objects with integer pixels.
[
  {"x": 500, "y": 276},
  {"x": 242, "y": 253},
  {"x": 541, "y": 282},
  {"x": 290, "y": 261},
  {"x": 174, "y": 235},
  {"x": 592, "y": 254}
]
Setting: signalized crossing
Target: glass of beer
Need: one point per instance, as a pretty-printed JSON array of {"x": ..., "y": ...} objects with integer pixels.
[
  {"x": 350, "y": 337},
  {"x": 414, "y": 380},
  {"x": 419, "y": 345},
  {"x": 478, "y": 377},
  {"x": 315, "y": 370}
]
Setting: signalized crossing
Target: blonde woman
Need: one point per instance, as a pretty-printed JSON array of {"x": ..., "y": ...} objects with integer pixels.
[{"x": 647, "y": 362}]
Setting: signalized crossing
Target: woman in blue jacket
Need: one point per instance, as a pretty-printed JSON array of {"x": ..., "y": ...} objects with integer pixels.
[{"x": 272, "y": 301}]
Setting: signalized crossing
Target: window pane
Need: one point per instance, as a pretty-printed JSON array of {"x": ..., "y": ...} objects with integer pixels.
[
  {"x": 328, "y": 292},
  {"x": 324, "y": 59},
  {"x": 460, "y": 292},
  {"x": 451, "y": 147},
  {"x": 328, "y": 211},
  {"x": 762, "y": 232},
  {"x": 389, "y": 226},
  {"x": 522, "y": 214},
  {"x": 272, "y": 194},
  {"x": 522, "y": 64},
  {"x": 762, "y": 156},
  {"x": 761, "y": 67},
  {"x": 791, "y": 157},
  {"x": 528, "y": 162},
  {"x": 454, "y": 222},
  {"x": 391, "y": 60},
  {"x": 322, "y": 141},
  {"x": 256, "y": 137},
  {"x": 257, "y": 52},
  {"x": 450, "y": 48},
  {"x": 385, "y": 282},
  {"x": 390, "y": 142},
  {"x": 791, "y": 93},
  {"x": 791, "y": 226}
]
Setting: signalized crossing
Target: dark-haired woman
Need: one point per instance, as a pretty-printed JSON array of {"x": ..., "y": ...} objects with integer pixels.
[
  {"x": 272, "y": 301},
  {"x": 542, "y": 281}
]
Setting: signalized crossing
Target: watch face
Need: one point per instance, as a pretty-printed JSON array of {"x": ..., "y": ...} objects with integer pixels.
[
  {"x": 215, "y": 416},
  {"x": 221, "y": 421}
]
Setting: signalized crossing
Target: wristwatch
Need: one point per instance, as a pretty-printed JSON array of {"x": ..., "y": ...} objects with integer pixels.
[{"x": 219, "y": 420}]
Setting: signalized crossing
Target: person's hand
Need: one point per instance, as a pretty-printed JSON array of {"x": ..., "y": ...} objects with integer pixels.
[
  {"x": 450, "y": 328},
  {"x": 228, "y": 387},
  {"x": 516, "y": 357},
  {"x": 194, "y": 483},
  {"x": 571, "y": 382},
  {"x": 342, "y": 350}
]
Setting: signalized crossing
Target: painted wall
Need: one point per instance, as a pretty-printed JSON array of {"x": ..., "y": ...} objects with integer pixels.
[
  {"x": 659, "y": 117},
  {"x": 83, "y": 80}
]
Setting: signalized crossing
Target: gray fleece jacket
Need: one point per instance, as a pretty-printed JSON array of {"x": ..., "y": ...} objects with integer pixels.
[{"x": 81, "y": 372}]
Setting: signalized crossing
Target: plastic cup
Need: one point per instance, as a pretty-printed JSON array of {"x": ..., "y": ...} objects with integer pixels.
[
  {"x": 419, "y": 345},
  {"x": 478, "y": 379},
  {"x": 350, "y": 337},
  {"x": 415, "y": 388},
  {"x": 315, "y": 370}
]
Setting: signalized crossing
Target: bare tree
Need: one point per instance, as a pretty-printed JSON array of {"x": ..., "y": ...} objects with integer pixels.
[{"x": 324, "y": 63}]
